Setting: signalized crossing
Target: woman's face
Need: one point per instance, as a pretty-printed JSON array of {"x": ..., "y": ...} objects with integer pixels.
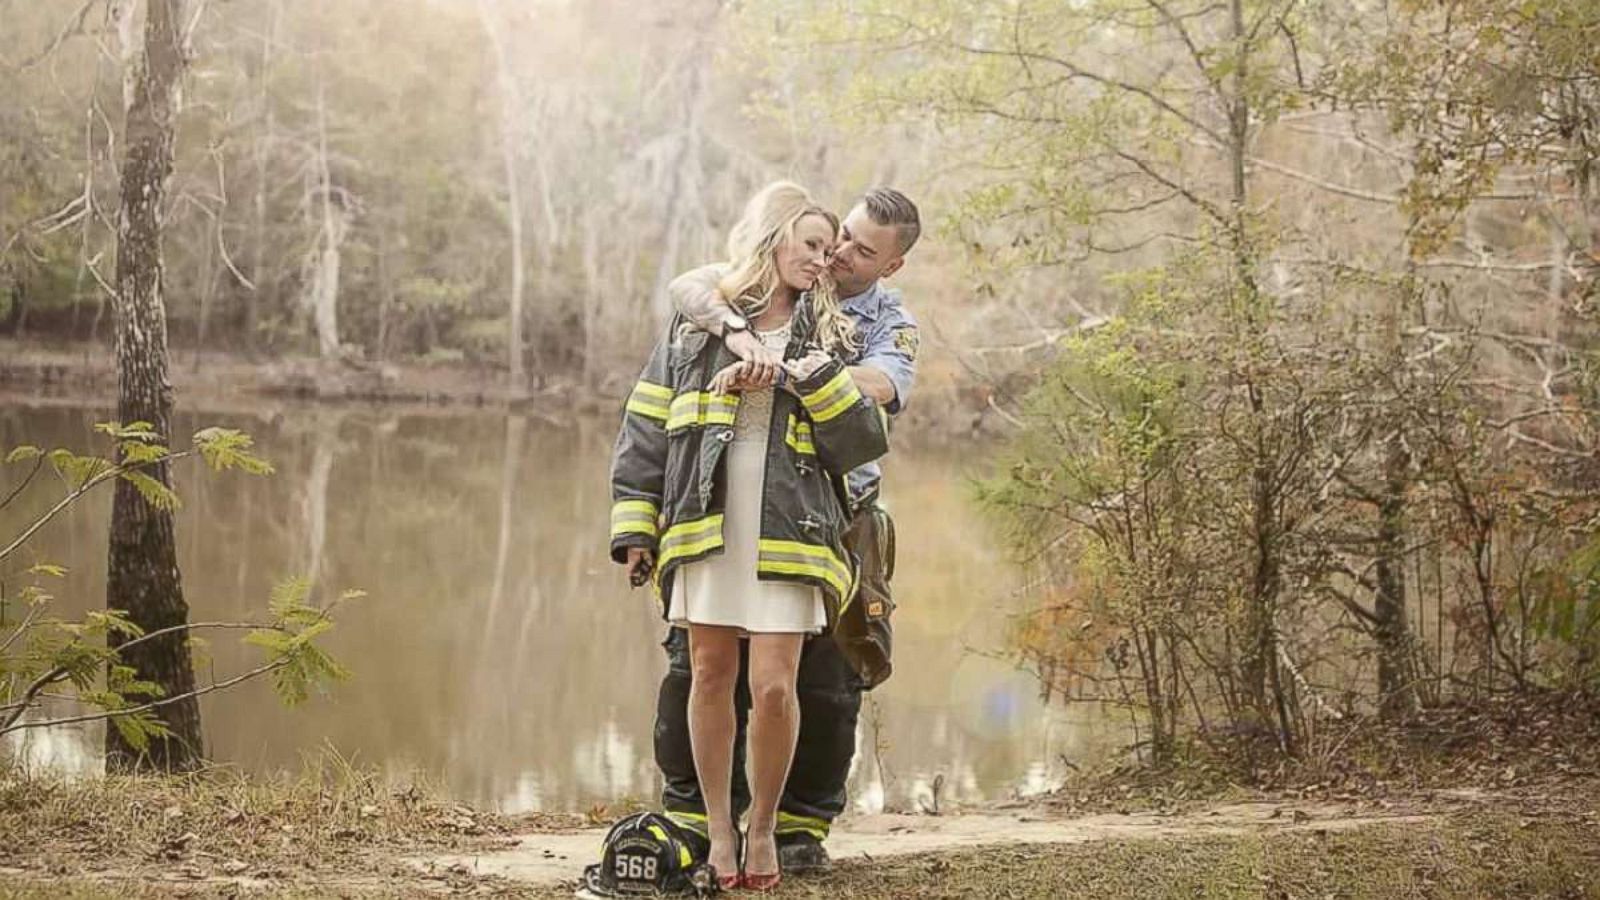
[{"x": 804, "y": 256}]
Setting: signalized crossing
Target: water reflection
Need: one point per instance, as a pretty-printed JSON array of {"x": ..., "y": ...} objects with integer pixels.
[
  {"x": 499, "y": 650},
  {"x": 69, "y": 750}
]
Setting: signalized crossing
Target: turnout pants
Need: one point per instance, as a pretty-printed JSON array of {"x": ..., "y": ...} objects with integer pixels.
[{"x": 829, "y": 692}]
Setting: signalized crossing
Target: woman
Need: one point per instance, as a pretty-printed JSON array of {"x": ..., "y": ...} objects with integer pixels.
[{"x": 733, "y": 495}]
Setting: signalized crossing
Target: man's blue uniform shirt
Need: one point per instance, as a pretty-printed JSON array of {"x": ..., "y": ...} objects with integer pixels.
[{"x": 888, "y": 339}]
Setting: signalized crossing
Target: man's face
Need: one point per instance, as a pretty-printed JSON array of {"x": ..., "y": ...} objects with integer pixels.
[{"x": 867, "y": 252}]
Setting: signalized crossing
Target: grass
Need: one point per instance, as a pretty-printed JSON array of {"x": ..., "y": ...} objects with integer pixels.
[
  {"x": 1477, "y": 855},
  {"x": 334, "y": 831},
  {"x": 1493, "y": 854},
  {"x": 331, "y": 824},
  {"x": 1525, "y": 744}
]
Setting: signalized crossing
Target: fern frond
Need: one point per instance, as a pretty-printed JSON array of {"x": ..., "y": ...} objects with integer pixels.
[
  {"x": 153, "y": 491},
  {"x": 229, "y": 448}
]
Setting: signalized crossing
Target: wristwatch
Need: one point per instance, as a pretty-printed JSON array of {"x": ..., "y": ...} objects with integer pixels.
[{"x": 734, "y": 322}]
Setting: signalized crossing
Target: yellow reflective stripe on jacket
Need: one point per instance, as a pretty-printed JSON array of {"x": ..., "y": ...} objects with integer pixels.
[
  {"x": 690, "y": 539},
  {"x": 634, "y": 517},
  {"x": 650, "y": 400},
  {"x": 701, "y": 408},
  {"x": 796, "y": 558},
  {"x": 799, "y": 436},
  {"x": 832, "y": 399},
  {"x": 789, "y": 823}
]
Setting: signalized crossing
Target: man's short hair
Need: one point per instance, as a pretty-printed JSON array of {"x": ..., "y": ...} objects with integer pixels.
[{"x": 887, "y": 206}]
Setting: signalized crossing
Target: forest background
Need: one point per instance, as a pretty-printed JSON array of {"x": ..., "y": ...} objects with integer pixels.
[{"x": 1282, "y": 312}]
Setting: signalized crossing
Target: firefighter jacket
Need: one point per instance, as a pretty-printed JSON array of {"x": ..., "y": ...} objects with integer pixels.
[{"x": 668, "y": 486}]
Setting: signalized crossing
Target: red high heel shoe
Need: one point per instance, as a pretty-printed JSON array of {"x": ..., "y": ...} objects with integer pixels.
[
  {"x": 762, "y": 883},
  {"x": 734, "y": 881},
  {"x": 757, "y": 881}
]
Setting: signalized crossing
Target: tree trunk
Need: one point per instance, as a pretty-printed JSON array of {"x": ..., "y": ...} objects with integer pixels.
[
  {"x": 142, "y": 571},
  {"x": 1259, "y": 644},
  {"x": 385, "y": 294},
  {"x": 684, "y": 194},
  {"x": 210, "y": 277},
  {"x": 323, "y": 294},
  {"x": 685, "y": 184},
  {"x": 594, "y": 297},
  {"x": 1261, "y": 676},
  {"x": 508, "y": 158},
  {"x": 1396, "y": 690},
  {"x": 262, "y": 155}
]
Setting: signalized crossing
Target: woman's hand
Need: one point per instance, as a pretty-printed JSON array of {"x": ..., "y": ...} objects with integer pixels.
[
  {"x": 640, "y": 563},
  {"x": 724, "y": 381}
]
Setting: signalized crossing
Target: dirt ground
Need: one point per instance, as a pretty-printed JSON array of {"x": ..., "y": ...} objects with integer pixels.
[
  {"x": 555, "y": 857},
  {"x": 211, "y": 838}
]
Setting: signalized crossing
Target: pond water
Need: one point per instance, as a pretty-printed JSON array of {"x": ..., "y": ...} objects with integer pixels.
[{"x": 500, "y": 652}]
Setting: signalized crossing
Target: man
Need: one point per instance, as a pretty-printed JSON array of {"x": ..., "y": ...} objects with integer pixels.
[{"x": 876, "y": 235}]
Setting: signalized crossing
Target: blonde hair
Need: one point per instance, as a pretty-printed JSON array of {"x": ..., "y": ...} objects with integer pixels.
[{"x": 770, "y": 219}]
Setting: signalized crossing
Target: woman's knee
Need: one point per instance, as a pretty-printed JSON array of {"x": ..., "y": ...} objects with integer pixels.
[
  {"x": 772, "y": 690},
  {"x": 774, "y": 659},
  {"x": 714, "y": 663}
]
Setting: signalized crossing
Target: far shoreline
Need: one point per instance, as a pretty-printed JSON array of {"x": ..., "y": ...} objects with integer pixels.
[{"x": 83, "y": 374}]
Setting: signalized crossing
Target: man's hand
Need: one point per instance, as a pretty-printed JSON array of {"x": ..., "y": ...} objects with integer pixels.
[
  {"x": 806, "y": 366},
  {"x": 745, "y": 376},
  {"x": 640, "y": 563},
  {"x": 872, "y": 383},
  {"x": 764, "y": 362}
]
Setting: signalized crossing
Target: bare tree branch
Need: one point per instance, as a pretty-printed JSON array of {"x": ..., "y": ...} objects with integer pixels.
[
  {"x": 1078, "y": 71},
  {"x": 73, "y": 27},
  {"x": 38, "y": 463},
  {"x": 106, "y": 474},
  {"x": 1201, "y": 203},
  {"x": 258, "y": 671}
]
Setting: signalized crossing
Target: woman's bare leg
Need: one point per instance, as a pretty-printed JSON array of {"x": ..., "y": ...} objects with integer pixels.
[
  {"x": 714, "y": 667},
  {"x": 774, "y": 727}
]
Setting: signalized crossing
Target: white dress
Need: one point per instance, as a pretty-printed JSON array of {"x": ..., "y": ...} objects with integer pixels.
[{"x": 722, "y": 589}]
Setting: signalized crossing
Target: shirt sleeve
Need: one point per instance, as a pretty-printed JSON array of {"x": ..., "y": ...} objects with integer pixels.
[
  {"x": 891, "y": 346},
  {"x": 694, "y": 293}
]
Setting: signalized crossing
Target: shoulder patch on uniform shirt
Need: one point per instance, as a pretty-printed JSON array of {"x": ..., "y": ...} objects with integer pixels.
[{"x": 907, "y": 341}]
